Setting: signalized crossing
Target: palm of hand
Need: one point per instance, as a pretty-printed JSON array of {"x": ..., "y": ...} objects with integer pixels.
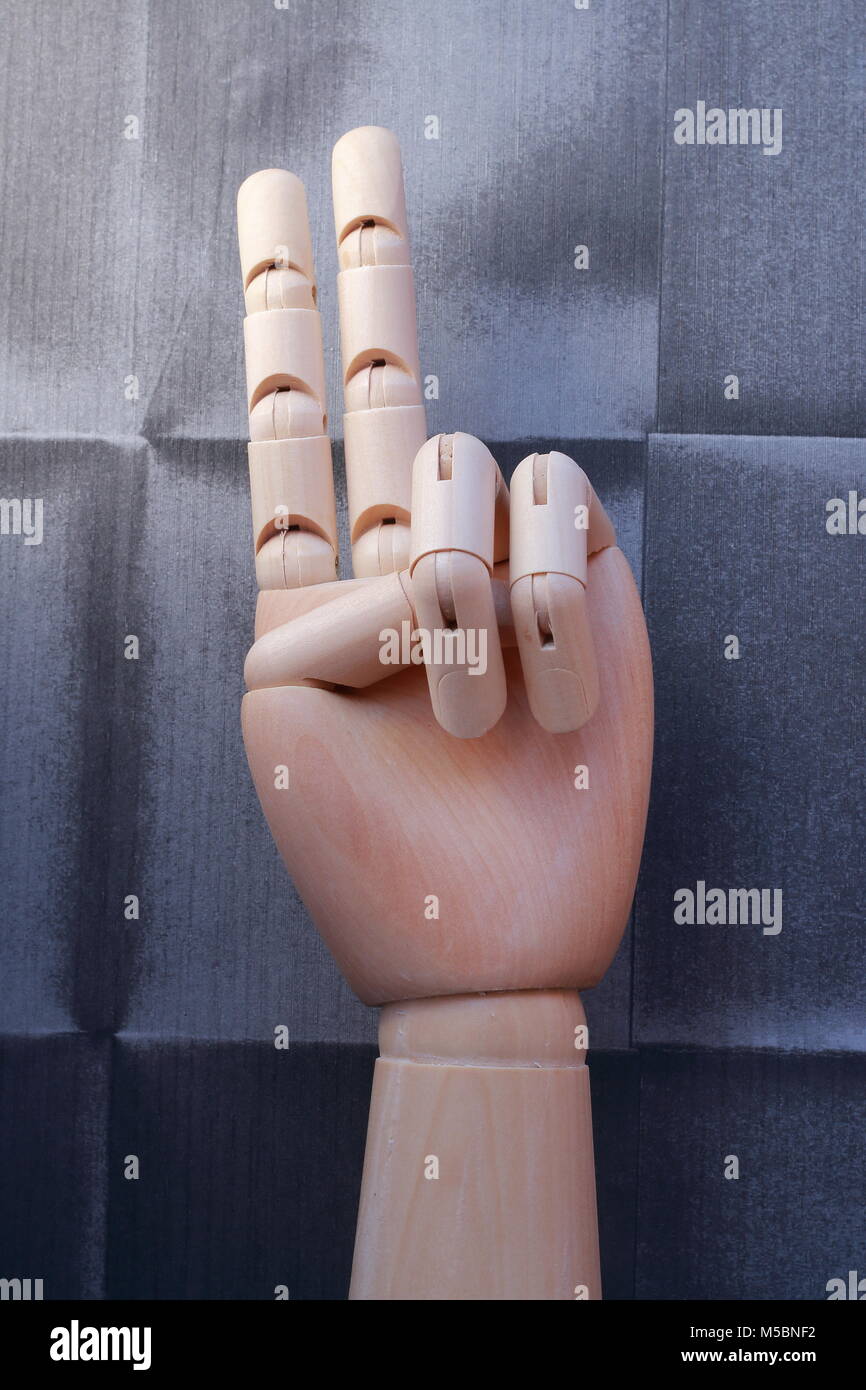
[
  {"x": 431, "y": 864},
  {"x": 435, "y": 865}
]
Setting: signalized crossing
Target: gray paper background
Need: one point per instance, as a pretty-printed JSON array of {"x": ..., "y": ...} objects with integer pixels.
[{"x": 120, "y": 260}]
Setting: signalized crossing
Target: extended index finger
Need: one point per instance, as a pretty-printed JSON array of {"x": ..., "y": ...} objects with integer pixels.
[{"x": 291, "y": 482}]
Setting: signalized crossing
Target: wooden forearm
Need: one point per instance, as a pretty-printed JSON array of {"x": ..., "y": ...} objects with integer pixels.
[{"x": 479, "y": 1180}]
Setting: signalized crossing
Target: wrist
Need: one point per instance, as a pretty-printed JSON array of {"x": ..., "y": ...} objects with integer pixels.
[
  {"x": 478, "y": 1175},
  {"x": 512, "y": 1028}
]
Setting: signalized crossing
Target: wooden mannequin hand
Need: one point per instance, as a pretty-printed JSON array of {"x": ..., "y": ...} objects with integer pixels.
[
  {"x": 443, "y": 841},
  {"x": 465, "y": 832}
]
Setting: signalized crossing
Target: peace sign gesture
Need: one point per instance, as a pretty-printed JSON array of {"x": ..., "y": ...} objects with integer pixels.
[{"x": 480, "y": 830}]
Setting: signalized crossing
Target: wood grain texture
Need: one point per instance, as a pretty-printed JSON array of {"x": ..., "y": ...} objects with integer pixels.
[{"x": 478, "y": 1173}]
